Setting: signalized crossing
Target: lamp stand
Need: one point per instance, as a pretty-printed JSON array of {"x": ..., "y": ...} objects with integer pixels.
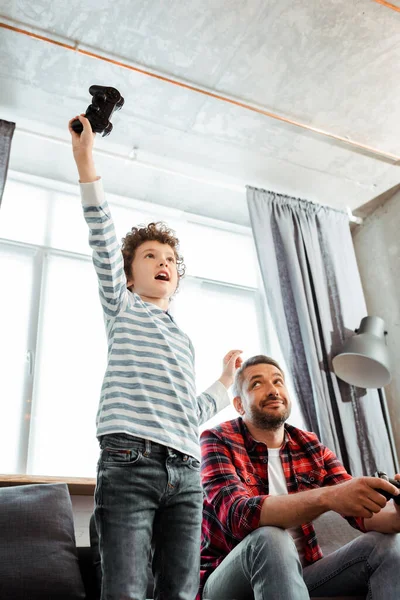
[{"x": 382, "y": 400}]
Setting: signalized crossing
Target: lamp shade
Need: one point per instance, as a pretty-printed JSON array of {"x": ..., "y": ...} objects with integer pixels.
[{"x": 364, "y": 359}]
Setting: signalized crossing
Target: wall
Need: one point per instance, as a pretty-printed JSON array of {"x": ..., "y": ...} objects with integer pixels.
[{"x": 377, "y": 246}]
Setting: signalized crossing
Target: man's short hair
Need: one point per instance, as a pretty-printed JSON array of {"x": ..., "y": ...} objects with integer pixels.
[{"x": 259, "y": 359}]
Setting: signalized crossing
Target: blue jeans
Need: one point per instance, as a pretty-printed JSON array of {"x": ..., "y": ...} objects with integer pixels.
[
  {"x": 266, "y": 566},
  {"x": 148, "y": 502}
]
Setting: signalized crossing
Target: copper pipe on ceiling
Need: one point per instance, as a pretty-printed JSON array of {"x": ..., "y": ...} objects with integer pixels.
[
  {"x": 388, "y": 5},
  {"x": 385, "y": 156}
]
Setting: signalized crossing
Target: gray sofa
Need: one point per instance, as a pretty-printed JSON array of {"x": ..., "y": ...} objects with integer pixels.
[{"x": 39, "y": 559}]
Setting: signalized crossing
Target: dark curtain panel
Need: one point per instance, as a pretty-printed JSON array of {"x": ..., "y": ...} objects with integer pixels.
[
  {"x": 6, "y": 134},
  {"x": 314, "y": 293}
]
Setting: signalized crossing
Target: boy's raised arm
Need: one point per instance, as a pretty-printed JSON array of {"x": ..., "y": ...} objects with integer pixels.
[{"x": 106, "y": 251}]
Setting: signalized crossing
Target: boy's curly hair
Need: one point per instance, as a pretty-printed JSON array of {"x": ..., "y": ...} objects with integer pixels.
[{"x": 158, "y": 232}]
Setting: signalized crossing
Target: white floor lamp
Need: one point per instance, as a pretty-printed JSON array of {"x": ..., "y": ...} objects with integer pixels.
[{"x": 364, "y": 362}]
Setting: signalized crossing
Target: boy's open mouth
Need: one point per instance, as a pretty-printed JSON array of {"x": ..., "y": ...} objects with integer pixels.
[{"x": 162, "y": 276}]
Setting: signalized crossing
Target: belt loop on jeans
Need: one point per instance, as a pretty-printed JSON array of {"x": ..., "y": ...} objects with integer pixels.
[{"x": 147, "y": 448}]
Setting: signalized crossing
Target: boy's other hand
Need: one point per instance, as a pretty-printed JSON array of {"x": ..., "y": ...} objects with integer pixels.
[
  {"x": 82, "y": 147},
  {"x": 231, "y": 363}
]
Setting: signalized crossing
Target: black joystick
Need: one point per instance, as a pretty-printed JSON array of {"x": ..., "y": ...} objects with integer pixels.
[
  {"x": 105, "y": 101},
  {"x": 394, "y": 482}
]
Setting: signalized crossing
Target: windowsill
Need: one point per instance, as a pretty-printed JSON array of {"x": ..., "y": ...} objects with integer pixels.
[{"x": 82, "y": 486}]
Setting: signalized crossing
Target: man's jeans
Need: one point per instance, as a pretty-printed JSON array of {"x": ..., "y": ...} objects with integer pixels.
[
  {"x": 266, "y": 565},
  {"x": 147, "y": 497}
]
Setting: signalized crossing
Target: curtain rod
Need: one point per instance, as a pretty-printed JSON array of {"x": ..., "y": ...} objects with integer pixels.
[
  {"x": 67, "y": 44},
  {"x": 131, "y": 157}
]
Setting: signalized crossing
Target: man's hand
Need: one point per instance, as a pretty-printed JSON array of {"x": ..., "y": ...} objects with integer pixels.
[
  {"x": 231, "y": 363},
  {"x": 82, "y": 148},
  {"x": 358, "y": 497},
  {"x": 388, "y": 520}
]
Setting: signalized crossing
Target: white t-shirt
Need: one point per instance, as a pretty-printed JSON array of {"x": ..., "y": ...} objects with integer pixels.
[{"x": 278, "y": 487}]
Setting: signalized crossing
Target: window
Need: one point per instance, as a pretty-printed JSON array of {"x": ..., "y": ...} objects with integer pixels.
[
  {"x": 70, "y": 363},
  {"x": 17, "y": 275},
  {"x": 218, "y": 318},
  {"x": 53, "y": 344}
]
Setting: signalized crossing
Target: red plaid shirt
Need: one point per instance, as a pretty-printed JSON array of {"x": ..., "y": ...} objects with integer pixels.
[{"x": 234, "y": 475}]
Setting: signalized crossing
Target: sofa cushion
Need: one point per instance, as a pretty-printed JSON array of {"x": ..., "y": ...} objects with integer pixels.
[{"x": 38, "y": 556}]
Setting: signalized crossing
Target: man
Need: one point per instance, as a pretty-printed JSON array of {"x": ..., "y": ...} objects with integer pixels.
[{"x": 264, "y": 483}]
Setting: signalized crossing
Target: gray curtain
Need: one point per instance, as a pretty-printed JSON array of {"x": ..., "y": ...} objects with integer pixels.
[
  {"x": 314, "y": 293},
  {"x": 6, "y": 134}
]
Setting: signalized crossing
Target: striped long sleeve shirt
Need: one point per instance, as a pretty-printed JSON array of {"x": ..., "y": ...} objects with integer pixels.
[{"x": 148, "y": 389}]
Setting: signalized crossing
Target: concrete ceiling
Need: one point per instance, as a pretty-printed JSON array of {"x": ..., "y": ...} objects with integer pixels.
[{"x": 329, "y": 64}]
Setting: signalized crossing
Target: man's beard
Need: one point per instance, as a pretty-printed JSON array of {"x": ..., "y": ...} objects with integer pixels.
[{"x": 263, "y": 420}]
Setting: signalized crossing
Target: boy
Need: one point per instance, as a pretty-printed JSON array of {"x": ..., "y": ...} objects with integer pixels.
[{"x": 148, "y": 492}]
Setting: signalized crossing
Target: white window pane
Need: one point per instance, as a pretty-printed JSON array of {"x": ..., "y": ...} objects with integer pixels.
[
  {"x": 230, "y": 258},
  {"x": 217, "y": 318},
  {"x": 16, "y": 267},
  {"x": 33, "y": 203},
  {"x": 69, "y": 371},
  {"x": 68, "y": 230}
]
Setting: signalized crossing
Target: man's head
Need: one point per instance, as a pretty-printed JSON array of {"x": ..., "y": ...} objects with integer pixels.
[
  {"x": 261, "y": 397},
  {"x": 152, "y": 263}
]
